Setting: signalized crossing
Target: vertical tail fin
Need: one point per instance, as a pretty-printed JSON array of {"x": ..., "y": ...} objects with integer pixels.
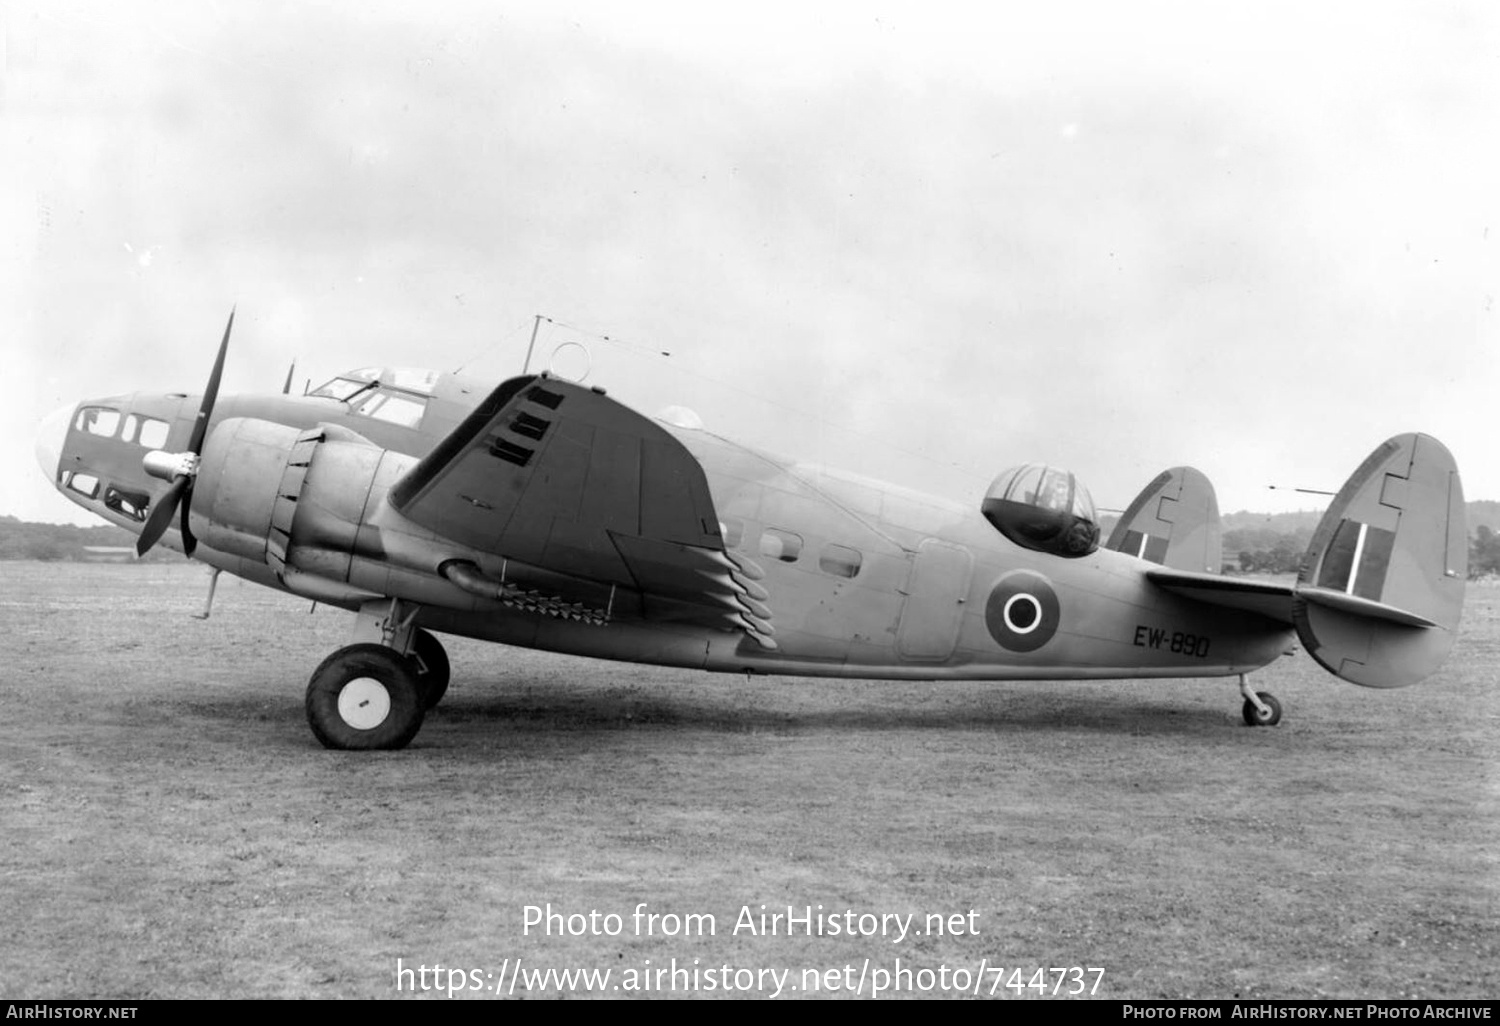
[
  {"x": 1174, "y": 522},
  {"x": 1382, "y": 585}
]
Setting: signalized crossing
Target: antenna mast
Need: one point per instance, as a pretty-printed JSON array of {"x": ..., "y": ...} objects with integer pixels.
[{"x": 535, "y": 325}]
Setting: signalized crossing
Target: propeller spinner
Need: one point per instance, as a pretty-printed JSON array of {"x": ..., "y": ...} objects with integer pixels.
[{"x": 182, "y": 468}]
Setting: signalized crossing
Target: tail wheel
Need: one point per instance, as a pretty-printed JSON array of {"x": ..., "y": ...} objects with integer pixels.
[
  {"x": 1267, "y": 717},
  {"x": 365, "y": 697}
]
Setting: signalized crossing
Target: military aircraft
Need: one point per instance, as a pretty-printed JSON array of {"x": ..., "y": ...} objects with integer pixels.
[{"x": 542, "y": 513}]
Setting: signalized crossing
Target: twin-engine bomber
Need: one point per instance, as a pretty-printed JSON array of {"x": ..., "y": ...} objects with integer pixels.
[{"x": 545, "y": 514}]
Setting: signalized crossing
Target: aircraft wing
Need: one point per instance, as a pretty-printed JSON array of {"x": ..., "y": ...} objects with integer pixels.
[
  {"x": 1273, "y": 601},
  {"x": 569, "y": 485}
]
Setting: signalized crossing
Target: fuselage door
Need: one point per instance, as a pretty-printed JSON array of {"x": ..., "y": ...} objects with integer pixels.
[{"x": 934, "y": 607}]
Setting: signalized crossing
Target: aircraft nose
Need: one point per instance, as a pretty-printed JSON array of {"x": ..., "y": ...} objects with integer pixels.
[{"x": 49, "y": 440}]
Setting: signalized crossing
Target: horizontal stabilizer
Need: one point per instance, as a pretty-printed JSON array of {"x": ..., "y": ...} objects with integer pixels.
[
  {"x": 1265, "y": 598},
  {"x": 1173, "y": 522},
  {"x": 1363, "y": 607},
  {"x": 1382, "y": 585}
]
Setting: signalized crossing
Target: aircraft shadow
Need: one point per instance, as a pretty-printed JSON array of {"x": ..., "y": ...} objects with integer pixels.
[{"x": 540, "y": 711}]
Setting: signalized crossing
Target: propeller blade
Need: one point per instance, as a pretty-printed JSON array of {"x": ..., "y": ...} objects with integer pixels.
[
  {"x": 200, "y": 429},
  {"x": 210, "y": 394},
  {"x": 161, "y": 515},
  {"x": 180, "y": 492},
  {"x": 189, "y": 543}
]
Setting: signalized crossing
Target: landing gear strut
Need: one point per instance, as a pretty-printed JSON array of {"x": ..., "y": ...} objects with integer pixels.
[
  {"x": 1261, "y": 708},
  {"x": 431, "y": 664}
]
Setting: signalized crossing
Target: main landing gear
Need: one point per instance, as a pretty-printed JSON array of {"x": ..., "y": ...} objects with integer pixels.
[
  {"x": 375, "y": 694},
  {"x": 1261, "y": 708}
]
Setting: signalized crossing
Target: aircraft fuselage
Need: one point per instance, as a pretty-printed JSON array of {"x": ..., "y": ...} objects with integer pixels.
[{"x": 863, "y": 579}]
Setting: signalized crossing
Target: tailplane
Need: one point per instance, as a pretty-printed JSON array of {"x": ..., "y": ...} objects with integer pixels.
[{"x": 1381, "y": 588}]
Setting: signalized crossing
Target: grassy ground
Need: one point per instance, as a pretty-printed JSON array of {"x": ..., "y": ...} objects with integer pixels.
[{"x": 169, "y": 827}]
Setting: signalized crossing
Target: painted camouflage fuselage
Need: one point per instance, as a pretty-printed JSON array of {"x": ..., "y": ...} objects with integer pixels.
[{"x": 921, "y": 605}]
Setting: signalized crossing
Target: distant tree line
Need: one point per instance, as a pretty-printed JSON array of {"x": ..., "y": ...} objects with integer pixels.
[
  {"x": 54, "y": 542},
  {"x": 1484, "y": 552},
  {"x": 1262, "y": 551},
  {"x": 1269, "y": 550}
]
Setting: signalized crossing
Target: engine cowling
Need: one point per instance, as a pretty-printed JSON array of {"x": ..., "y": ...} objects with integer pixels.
[
  {"x": 239, "y": 480},
  {"x": 274, "y": 494}
]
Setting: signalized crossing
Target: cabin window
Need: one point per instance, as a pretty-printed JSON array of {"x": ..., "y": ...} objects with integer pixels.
[
  {"x": 98, "y": 420},
  {"x": 393, "y": 409},
  {"x": 146, "y": 431},
  {"x": 733, "y": 530},
  {"x": 127, "y": 503},
  {"x": 782, "y": 545},
  {"x": 86, "y": 485},
  {"x": 840, "y": 560}
]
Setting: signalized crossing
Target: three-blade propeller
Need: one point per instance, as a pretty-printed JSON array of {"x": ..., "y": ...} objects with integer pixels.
[{"x": 180, "y": 492}]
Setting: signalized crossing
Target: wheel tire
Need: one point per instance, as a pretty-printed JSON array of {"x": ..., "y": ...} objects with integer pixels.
[
  {"x": 431, "y": 664},
  {"x": 365, "y": 697},
  {"x": 1255, "y": 718}
]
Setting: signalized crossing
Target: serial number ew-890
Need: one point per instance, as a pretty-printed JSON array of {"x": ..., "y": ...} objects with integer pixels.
[{"x": 1175, "y": 641}]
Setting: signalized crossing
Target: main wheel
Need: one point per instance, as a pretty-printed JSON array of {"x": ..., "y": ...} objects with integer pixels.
[
  {"x": 365, "y": 697},
  {"x": 1256, "y": 718},
  {"x": 432, "y": 667}
]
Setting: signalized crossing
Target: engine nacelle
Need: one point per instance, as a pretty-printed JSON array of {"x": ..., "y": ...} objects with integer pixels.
[
  {"x": 239, "y": 479},
  {"x": 273, "y": 494}
]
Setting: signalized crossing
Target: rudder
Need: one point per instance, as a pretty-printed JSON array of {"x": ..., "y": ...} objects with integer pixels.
[{"x": 1381, "y": 588}]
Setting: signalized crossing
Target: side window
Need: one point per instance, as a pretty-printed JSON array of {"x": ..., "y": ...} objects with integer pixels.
[
  {"x": 131, "y": 504},
  {"x": 98, "y": 420},
  {"x": 733, "y": 530},
  {"x": 86, "y": 485},
  {"x": 840, "y": 560},
  {"x": 782, "y": 545}
]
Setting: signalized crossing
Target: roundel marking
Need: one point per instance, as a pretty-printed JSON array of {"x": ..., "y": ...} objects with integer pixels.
[{"x": 1022, "y": 612}]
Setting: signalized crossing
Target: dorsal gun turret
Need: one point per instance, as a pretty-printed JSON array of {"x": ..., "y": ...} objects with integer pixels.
[{"x": 1043, "y": 508}]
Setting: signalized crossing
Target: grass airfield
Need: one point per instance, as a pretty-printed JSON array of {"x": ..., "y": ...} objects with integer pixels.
[{"x": 171, "y": 829}]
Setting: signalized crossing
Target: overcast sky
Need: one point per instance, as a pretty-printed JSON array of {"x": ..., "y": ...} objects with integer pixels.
[{"x": 922, "y": 241}]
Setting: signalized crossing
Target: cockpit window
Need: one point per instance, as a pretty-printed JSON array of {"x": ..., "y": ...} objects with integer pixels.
[
  {"x": 416, "y": 380},
  {"x": 339, "y": 388},
  {"x": 395, "y": 409},
  {"x": 412, "y": 379},
  {"x": 146, "y": 431},
  {"x": 153, "y": 433},
  {"x": 98, "y": 420}
]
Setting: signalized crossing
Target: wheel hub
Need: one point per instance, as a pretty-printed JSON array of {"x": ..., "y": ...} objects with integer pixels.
[{"x": 364, "y": 703}]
